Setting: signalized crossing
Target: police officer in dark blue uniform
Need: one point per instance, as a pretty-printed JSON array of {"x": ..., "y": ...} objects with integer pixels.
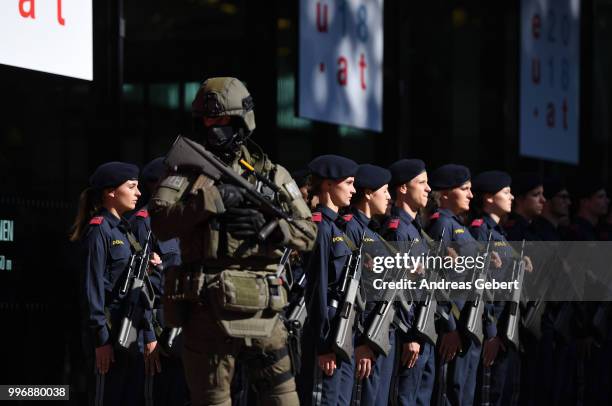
[
  {"x": 107, "y": 244},
  {"x": 593, "y": 354},
  {"x": 529, "y": 191},
  {"x": 168, "y": 387},
  {"x": 372, "y": 199},
  {"x": 499, "y": 379},
  {"x": 459, "y": 355},
  {"x": 326, "y": 380},
  {"x": 409, "y": 187}
]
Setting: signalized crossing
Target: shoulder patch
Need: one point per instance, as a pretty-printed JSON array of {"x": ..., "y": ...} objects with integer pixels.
[
  {"x": 459, "y": 231},
  {"x": 393, "y": 224},
  {"x": 477, "y": 223},
  {"x": 347, "y": 217},
  {"x": 96, "y": 220},
  {"x": 142, "y": 213},
  {"x": 174, "y": 182},
  {"x": 316, "y": 217},
  {"x": 435, "y": 216}
]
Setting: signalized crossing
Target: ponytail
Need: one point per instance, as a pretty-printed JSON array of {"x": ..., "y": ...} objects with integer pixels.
[{"x": 90, "y": 202}]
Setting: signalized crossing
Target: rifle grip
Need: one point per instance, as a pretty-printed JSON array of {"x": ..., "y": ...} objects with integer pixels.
[{"x": 265, "y": 232}]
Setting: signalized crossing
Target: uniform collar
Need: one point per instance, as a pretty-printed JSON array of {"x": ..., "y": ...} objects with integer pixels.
[
  {"x": 406, "y": 217},
  {"x": 360, "y": 217},
  {"x": 449, "y": 213},
  {"x": 110, "y": 218},
  {"x": 492, "y": 224},
  {"x": 328, "y": 213}
]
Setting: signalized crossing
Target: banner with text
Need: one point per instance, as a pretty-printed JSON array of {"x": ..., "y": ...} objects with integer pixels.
[
  {"x": 53, "y": 36},
  {"x": 550, "y": 85},
  {"x": 341, "y": 62}
]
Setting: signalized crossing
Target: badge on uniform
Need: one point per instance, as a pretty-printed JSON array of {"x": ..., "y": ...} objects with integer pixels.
[{"x": 117, "y": 242}]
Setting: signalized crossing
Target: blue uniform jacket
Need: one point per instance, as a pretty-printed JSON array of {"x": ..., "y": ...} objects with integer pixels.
[
  {"x": 480, "y": 229},
  {"x": 106, "y": 252},
  {"x": 324, "y": 276},
  {"x": 457, "y": 236},
  {"x": 357, "y": 223},
  {"x": 400, "y": 226}
]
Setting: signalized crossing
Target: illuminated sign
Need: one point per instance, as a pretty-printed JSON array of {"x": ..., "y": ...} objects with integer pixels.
[
  {"x": 5, "y": 264},
  {"x": 53, "y": 36},
  {"x": 341, "y": 62},
  {"x": 7, "y": 228}
]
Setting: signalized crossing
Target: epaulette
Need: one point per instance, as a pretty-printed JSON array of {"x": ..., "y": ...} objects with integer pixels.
[
  {"x": 316, "y": 217},
  {"x": 142, "y": 213},
  {"x": 96, "y": 220},
  {"x": 347, "y": 217},
  {"x": 435, "y": 216},
  {"x": 393, "y": 224},
  {"x": 477, "y": 223},
  {"x": 509, "y": 223}
]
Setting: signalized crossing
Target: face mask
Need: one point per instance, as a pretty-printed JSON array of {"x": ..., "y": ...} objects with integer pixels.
[{"x": 220, "y": 138}]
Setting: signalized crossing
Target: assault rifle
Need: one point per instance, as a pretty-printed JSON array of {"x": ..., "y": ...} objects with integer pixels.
[
  {"x": 138, "y": 294},
  {"x": 188, "y": 153},
  {"x": 476, "y": 306},
  {"x": 377, "y": 333},
  {"x": 349, "y": 291},
  {"x": 426, "y": 311},
  {"x": 511, "y": 332}
]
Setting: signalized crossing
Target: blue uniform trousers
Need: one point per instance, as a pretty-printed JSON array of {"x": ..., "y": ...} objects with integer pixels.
[
  {"x": 500, "y": 383},
  {"x": 124, "y": 382},
  {"x": 376, "y": 388},
  {"x": 416, "y": 384},
  {"x": 315, "y": 388},
  {"x": 461, "y": 376}
]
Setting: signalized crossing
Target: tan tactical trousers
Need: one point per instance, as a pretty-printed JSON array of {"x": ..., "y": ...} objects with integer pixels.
[{"x": 209, "y": 357}]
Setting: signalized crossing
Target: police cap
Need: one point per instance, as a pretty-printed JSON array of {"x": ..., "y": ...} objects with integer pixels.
[
  {"x": 371, "y": 177},
  {"x": 154, "y": 170},
  {"x": 522, "y": 183},
  {"x": 491, "y": 181},
  {"x": 405, "y": 170},
  {"x": 449, "y": 176},
  {"x": 112, "y": 174},
  {"x": 333, "y": 167}
]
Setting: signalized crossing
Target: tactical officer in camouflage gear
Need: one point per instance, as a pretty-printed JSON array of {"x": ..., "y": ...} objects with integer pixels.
[{"x": 226, "y": 296}]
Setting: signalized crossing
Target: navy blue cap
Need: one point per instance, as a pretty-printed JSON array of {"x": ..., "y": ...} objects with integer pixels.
[
  {"x": 112, "y": 174},
  {"x": 522, "y": 183},
  {"x": 332, "y": 167},
  {"x": 491, "y": 181},
  {"x": 371, "y": 177},
  {"x": 300, "y": 177},
  {"x": 405, "y": 170},
  {"x": 552, "y": 186},
  {"x": 449, "y": 176},
  {"x": 154, "y": 170}
]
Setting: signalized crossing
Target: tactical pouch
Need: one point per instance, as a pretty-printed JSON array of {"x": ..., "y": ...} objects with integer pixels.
[
  {"x": 242, "y": 291},
  {"x": 246, "y": 303}
]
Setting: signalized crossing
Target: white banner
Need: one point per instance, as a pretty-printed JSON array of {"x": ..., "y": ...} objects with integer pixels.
[
  {"x": 53, "y": 36},
  {"x": 550, "y": 79},
  {"x": 341, "y": 62}
]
